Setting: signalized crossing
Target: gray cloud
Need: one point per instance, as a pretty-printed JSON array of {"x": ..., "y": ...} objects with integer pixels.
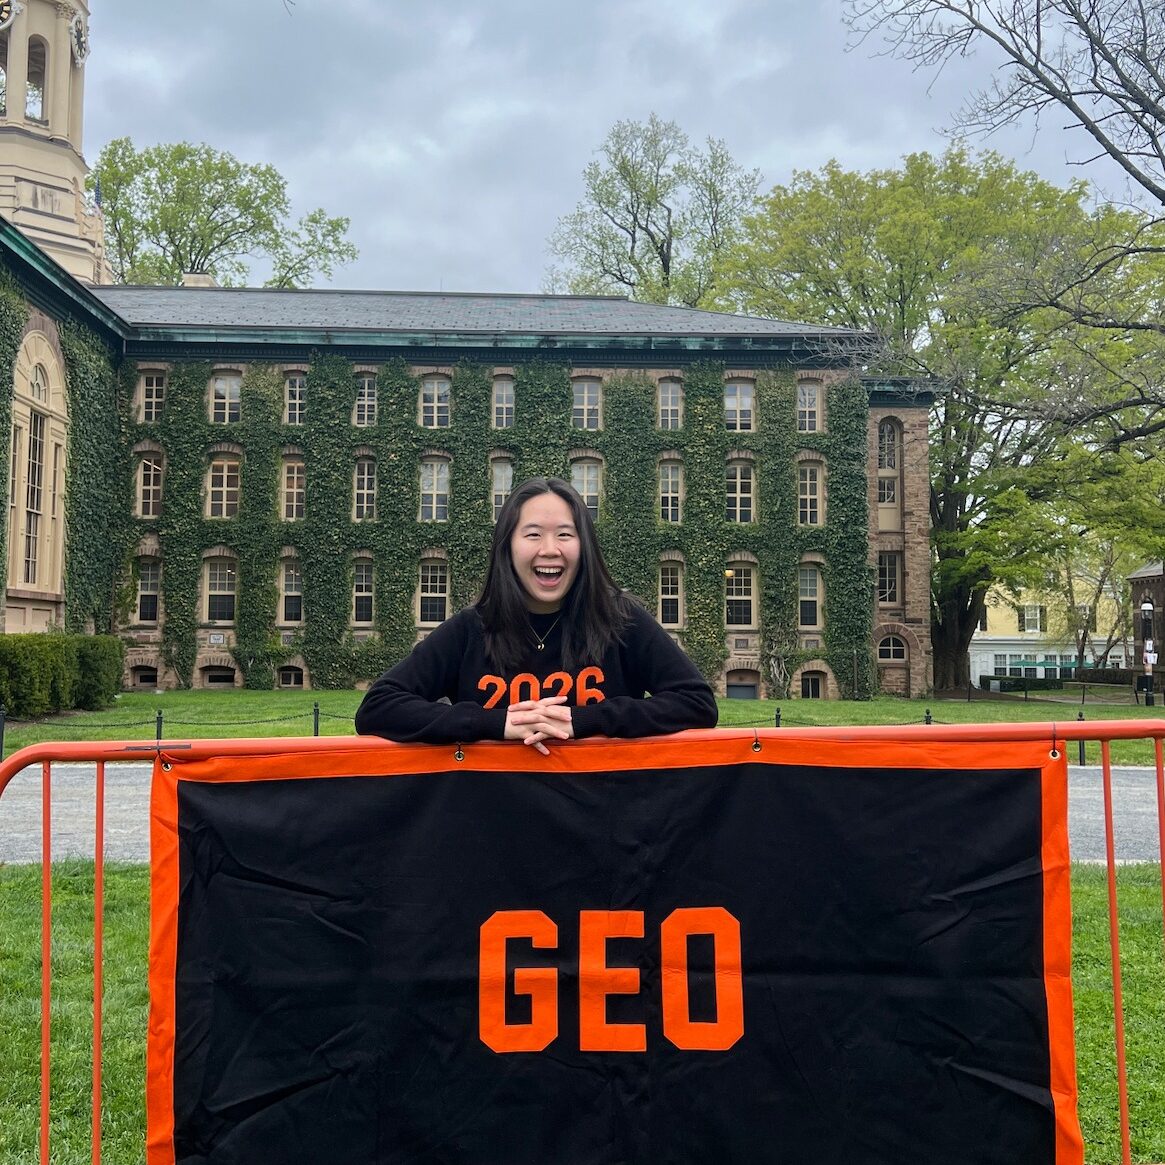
[{"x": 453, "y": 133}]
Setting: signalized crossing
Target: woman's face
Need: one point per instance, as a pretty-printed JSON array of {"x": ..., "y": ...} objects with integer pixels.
[{"x": 545, "y": 551}]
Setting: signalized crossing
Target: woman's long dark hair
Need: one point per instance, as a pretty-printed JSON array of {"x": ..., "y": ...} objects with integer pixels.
[{"x": 594, "y": 612}]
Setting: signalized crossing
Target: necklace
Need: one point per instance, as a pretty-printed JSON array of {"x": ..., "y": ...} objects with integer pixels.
[{"x": 541, "y": 644}]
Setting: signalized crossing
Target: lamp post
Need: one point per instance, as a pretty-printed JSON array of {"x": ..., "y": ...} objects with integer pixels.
[{"x": 1149, "y": 656}]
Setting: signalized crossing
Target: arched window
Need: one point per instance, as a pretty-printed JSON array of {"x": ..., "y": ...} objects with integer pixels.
[
  {"x": 810, "y": 493},
  {"x": 809, "y": 595},
  {"x": 808, "y": 406},
  {"x": 149, "y": 485},
  {"x": 149, "y": 589},
  {"x": 740, "y": 492},
  {"x": 740, "y": 591},
  {"x": 739, "y": 407},
  {"x": 501, "y": 472},
  {"x": 151, "y": 397},
  {"x": 223, "y": 483},
  {"x": 587, "y": 404},
  {"x": 290, "y": 591},
  {"x": 294, "y": 389},
  {"x": 294, "y": 489},
  {"x": 671, "y": 490},
  {"x": 432, "y": 592},
  {"x": 362, "y": 590},
  {"x": 364, "y": 490},
  {"x": 503, "y": 402},
  {"x": 226, "y": 399},
  {"x": 434, "y": 402},
  {"x": 364, "y": 411},
  {"x": 670, "y": 403},
  {"x": 37, "y": 84},
  {"x": 4, "y": 73},
  {"x": 889, "y": 475},
  {"x": 434, "y": 490},
  {"x": 891, "y": 647},
  {"x": 586, "y": 475},
  {"x": 671, "y": 592},
  {"x": 220, "y": 579}
]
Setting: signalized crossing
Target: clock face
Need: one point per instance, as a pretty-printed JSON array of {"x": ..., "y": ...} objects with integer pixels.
[
  {"x": 78, "y": 37},
  {"x": 6, "y": 13}
]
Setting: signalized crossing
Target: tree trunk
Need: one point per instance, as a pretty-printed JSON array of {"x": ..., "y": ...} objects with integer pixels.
[{"x": 952, "y": 664}]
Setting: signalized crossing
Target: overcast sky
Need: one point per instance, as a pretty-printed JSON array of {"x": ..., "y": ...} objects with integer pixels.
[{"x": 453, "y": 133}]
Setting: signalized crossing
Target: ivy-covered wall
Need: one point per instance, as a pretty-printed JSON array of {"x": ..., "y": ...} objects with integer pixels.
[
  {"x": 540, "y": 442},
  {"x": 13, "y": 316}
]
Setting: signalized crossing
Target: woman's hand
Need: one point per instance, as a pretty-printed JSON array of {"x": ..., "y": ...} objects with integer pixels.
[{"x": 535, "y": 721}]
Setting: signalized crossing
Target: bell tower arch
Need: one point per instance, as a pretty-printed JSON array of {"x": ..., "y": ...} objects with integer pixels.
[{"x": 43, "y": 48}]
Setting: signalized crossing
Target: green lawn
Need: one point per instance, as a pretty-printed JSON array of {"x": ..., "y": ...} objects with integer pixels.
[
  {"x": 245, "y": 713},
  {"x": 126, "y": 999}
]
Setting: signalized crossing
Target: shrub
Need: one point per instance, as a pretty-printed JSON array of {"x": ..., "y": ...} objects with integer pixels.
[
  {"x": 1021, "y": 683},
  {"x": 100, "y": 659},
  {"x": 50, "y": 672},
  {"x": 1106, "y": 675}
]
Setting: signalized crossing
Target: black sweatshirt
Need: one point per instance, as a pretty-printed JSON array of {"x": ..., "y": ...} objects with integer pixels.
[{"x": 606, "y": 698}]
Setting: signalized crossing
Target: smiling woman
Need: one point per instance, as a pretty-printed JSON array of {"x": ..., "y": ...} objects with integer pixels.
[{"x": 552, "y": 650}]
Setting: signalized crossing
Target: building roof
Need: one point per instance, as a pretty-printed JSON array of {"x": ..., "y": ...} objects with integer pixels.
[
  {"x": 1150, "y": 570},
  {"x": 436, "y": 313}
]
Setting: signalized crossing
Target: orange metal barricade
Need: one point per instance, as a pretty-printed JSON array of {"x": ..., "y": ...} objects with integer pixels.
[{"x": 100, "y": 753}]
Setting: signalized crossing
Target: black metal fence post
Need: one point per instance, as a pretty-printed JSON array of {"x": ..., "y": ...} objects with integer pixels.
[
  {"x": 315, "y": 719},
  {"x": 928, "y": 718},
  {"x": 1080, "y": 716},
  {"x": 158, "y": 726},
  {"x": 777, "y": 718}
]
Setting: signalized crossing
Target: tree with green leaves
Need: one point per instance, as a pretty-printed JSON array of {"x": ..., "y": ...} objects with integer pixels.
[
  {"x": 656, "y": 213},
  {"x": 1095, "y": 65},
  {"x": 913, "y": 257},
  {"x": 181, "y": 208}
]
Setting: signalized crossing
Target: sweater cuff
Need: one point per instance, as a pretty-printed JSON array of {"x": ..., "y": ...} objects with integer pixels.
[{"x": 584, "y": 719}]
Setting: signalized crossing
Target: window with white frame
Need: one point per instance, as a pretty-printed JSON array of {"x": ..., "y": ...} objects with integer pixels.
[
  {"x": 501, "y": 472},
  {"x": 740, "y": 492},
  {"x": 153, "y": 397},
  {"x": 220, "y": 576},
  {"x": 671, "y": 491},
  {"x": 362, "y": 591},
  {"x": 808, "y": 406},
  {"x": 226, "y": 398},
  {"x": 739, "y": 415},
  {"x": 586, "y": 475},
  {"x": 291, "y": 592},
  {"x": 739, "y": 590},
  {"x": 503, "y": 402},
  {"x": 1033, "y": 617},
  {"x": 670, "y": 403},
  {"x": 34, "y": 492},
  {"x": 809, "y": 597},
  {"x": 294, "y": 489},
  {"x": 433, "y": 592},
  {"x": 671, "y": 594},
  {"x": 434, "y": 412},
  {"x": 999, "y": 664},
  {"x": 809, "y": 495},
  {"x": 222, "y": 488},
  {"x": 889, "y": 576},
  {"x": 891, "y": 647},
  {"x": 149, "y": 491},
  {"x": 364, "y": 411},
  {"x": 149, "y": 589},
  {"x": 364, "y": 490},
  {"x": 888, "y": 454},
  {"x": 294, "y": 390},
  {"x": 586, "y": 412},
  {"x": 434, "y": 490}
]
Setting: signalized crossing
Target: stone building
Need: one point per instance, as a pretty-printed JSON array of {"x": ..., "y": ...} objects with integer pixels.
[{"x": 288, "y": 487}]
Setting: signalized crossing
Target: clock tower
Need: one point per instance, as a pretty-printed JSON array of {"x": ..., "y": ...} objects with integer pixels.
[{"x": 43, "y": 48}]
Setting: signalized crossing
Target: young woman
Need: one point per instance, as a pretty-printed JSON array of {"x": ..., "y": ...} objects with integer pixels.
[{"x": 552, "y": 650}]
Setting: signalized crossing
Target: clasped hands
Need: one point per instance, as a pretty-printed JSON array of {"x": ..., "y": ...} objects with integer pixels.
[{"x": 535, "y": 721}]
